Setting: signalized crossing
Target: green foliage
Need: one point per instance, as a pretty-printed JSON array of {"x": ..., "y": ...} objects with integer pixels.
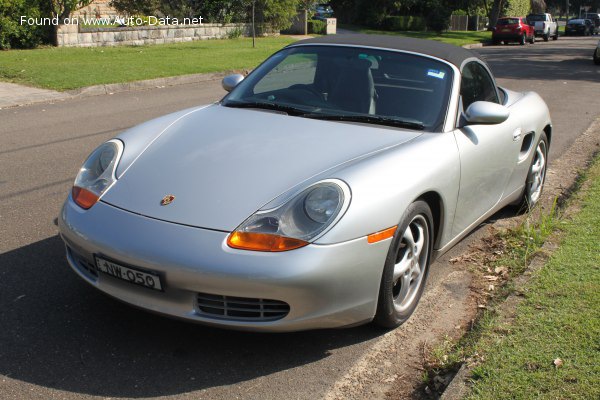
[
  {"x": 12, "y": 33},
  {"x": 438, "y": 15},
  {"x": 548, "y": 349},
  {"x": 63, "y": 8},
  {"x": 403, "y": 23},
  {"x": 457, "y": 38},
  {"x": 136, "y": 7},
  {"x": 63, "y": 68},
  {"x": 277, "y": 14},
  {"x": 376, "y": 13},
  {"x": 235, "y": 33},
  {"x": 517, "y": 8},
  {"x": 317, "y": 27},
  {"x": 270, "y": 15}
]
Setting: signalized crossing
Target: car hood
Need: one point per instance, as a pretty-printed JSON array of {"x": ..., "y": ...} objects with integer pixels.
[{"x": 222, "y": 164}]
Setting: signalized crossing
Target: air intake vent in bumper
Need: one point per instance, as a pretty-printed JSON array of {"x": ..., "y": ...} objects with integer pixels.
[
  {"x": 82, "y": 264},
  {"x": 240, "y": 308}
]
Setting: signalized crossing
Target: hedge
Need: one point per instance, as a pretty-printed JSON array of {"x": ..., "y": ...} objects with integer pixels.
[
  {"x": 403, "y": 23},
  {"x": 317, "y": 27},
  {"x": 15, "y": 35}
]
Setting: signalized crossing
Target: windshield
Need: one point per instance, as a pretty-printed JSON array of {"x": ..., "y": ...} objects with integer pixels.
[
  {"x": 508, "y": 21},
  {"x": 576, "y": 22},
  {"x": 536, "y": 17},
  {"x": 350, "y": 84}
]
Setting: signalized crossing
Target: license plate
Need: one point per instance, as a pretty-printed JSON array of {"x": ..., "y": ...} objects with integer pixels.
[
  {"x": 151, "y": 280},
  {"x": 506, "y": 30}
]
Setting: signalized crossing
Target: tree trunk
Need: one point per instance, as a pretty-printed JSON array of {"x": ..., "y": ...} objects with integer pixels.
[{"x": 495, "y": 13}]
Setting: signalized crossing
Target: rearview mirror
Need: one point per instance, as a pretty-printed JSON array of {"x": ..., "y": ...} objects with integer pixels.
[
  {"x": 484, "y": 112},
  {"x": 231, "y": 81}
]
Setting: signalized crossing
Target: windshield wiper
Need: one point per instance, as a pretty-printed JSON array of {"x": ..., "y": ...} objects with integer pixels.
[
  {"x": 369, "y": 119},
  {"x": 265, "y": 106}
]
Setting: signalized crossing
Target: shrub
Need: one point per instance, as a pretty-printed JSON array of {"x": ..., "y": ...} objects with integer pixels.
[
  {"x": 235, "y": 33},
  {"x": 317, "y": 27},
  {"x": 403, "y": 23},
  {"x": 15, "y": 35},
  {"x": 438, "y": 15}
]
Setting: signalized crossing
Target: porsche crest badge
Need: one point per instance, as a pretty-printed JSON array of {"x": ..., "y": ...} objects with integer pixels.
[{"x": 168, "y": 199}]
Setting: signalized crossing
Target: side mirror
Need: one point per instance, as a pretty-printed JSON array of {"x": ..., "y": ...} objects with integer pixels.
[
  {"x": 484, "y": 112},
  {"x": 231, "y": 81}
]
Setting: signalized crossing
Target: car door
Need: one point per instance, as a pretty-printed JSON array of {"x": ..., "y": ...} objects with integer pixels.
[{"x": 485, "y": 151}]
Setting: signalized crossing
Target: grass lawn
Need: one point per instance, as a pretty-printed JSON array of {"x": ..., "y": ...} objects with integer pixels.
[
  {"x": 69, "y": 68},
  {"x": 559, "y": 319},
  {"x": 457, "y": 38}
]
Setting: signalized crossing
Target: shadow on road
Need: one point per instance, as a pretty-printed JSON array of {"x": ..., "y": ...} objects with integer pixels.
[
  {"x": 529, "y": 63},
  {"x": 59, "y": 333}
]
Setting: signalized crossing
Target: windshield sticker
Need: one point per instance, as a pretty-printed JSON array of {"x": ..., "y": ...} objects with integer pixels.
[{"x": 436, "y": 74}]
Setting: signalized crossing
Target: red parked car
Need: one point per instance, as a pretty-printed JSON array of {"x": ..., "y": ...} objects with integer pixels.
[{"x": 513, "y": 29}]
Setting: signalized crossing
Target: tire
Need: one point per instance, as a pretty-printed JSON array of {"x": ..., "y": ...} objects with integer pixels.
[
  {"x": 532, "y": 40},
  {"x": 536, "y": 176},
  {"x": 546, "y": 36},
  {"x": 555, "y": 37},
  {"x": 408, "y": 258},
  {"x": 597, "y": 56},
  {"x": 495, "y": 42},
  {"x": 523, "y": 40}
]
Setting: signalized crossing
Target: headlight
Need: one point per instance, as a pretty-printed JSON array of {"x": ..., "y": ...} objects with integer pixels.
[
  {"x": 97, "y": 174},
  {"x": 297, "y": 222}
]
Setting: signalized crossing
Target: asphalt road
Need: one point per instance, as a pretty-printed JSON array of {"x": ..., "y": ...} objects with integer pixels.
[{"x": 60, "y": 339}]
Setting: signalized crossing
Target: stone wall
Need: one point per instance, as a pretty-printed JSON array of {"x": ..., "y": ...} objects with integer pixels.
[{"x": 75, "y": 36}]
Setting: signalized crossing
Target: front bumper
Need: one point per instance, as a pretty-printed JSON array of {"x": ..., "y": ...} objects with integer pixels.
[{"x": 325, "y": 286}]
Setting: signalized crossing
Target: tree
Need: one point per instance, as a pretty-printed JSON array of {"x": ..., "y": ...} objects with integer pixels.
[
  {"x": 517, "y": 8},
  {"x": 538, "y": 6},
  {"x": 495, "y": 11},
  {"x": 13, "y": 34},
  {"x": 63, "y": 8},
  {"x": 276, "y": 14},
  {"x": 438, "y": 14}
]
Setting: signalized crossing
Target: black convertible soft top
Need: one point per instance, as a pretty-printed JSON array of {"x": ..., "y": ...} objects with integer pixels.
[{"x": 453, "y": 54}]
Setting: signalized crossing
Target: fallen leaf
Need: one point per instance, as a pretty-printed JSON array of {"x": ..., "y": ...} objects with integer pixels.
[
  {"x": 558, "y": 363},
  {"x": 501, "y": 270}
]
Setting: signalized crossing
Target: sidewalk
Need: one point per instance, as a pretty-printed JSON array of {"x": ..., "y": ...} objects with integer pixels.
[
  {"x": 13, "y": 95},
  {"x": 17, "y": 95}
]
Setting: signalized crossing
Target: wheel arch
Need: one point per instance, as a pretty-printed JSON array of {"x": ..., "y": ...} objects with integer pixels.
[
  {"x": 436, "y": 204},
  {"x": 548, "y": 132}
]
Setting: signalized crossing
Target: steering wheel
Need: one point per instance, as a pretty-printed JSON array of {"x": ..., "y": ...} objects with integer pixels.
[{"x": 315, "y": 94}]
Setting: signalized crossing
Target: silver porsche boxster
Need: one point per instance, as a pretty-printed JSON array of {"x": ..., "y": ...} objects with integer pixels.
[{"x": 316, "y": 194}]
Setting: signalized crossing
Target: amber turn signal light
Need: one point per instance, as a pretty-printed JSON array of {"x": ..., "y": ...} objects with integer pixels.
[
  {"x": 263, "y": 242},
  {"x": 84, "y": 198},
  {"x": 381, "y": 235}
]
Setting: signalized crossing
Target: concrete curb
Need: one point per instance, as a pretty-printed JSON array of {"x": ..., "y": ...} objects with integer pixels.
[
  {"x": 476, "y": 45},
  {"x": 111, "y": 88},
  {"x": 144, "y": 85}
]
